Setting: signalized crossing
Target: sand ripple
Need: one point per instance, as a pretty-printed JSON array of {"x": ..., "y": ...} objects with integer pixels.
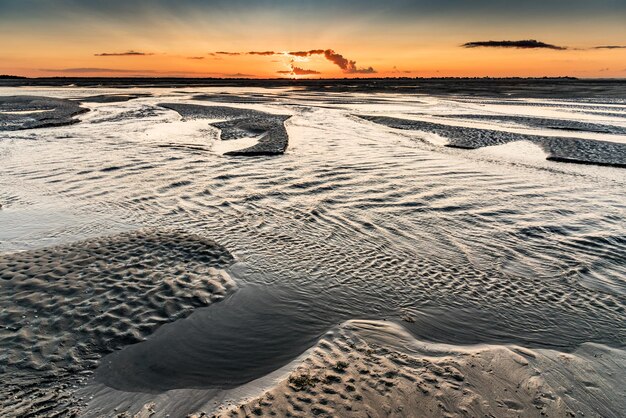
[
  {"x": 376, "y": 369},
  {"x": 356, "y": 221},
  {"x": 64, "y": 307}
]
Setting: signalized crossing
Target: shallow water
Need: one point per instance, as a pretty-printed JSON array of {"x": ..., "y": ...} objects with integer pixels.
[{"x": 355, "y": 220}]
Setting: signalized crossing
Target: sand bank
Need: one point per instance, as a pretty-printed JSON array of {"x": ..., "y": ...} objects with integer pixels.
[
  {"x": 28, "y": 112},
  {"x": 241, "y": 123},
  {"x": 578, "y": 150},
  {"x": 63, "y": 308},
  {"x": 549, "y": 123}
]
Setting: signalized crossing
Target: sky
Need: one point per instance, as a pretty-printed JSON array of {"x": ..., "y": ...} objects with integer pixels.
[{"x": 313, "y": 39}]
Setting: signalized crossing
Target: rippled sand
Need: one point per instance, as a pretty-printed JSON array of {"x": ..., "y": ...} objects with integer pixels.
[{"x": 153, "y": 263}]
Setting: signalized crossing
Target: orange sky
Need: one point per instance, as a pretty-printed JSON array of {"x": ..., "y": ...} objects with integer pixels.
[{"x": 180, "y": 42}]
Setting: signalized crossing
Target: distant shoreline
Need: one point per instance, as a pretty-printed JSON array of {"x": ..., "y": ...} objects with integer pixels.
[{"x": 543, "y": 87}]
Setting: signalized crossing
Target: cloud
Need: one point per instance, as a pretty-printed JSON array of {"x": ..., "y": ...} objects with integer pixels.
[
  {"x": 610, "y": 47},
  {"x": 96, "y": 70},
  {"x": 92, "y": 70},
  {"x": 298, "y": 71},
  {"x": 306, "y": 53},
  {"x": 195, "y": 58},
  {"x": 348, "y": 66},
  {"x": 262, "y": 53},
  {"x": 395, "y": 70},
  {"x": 265, "y": 53},
  {"x": 302, "y": 71},
  {"x": 523, "y": 44},
  {"x": 345, "y": 64},
  {"x": 240, "y": 75},
  {"x": 122, "y": 54}
]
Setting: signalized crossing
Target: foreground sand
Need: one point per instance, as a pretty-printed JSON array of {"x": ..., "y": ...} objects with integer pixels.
[
  {"x": 357, "y": 220},
  {"x": 62, "y": 308},
  {"x": 376, "y": 369}
]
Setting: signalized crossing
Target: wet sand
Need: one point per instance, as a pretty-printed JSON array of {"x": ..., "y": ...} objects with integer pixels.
[
  {"x": 63, "y": 308},
  {"x": 572, "y": 150},
  {"x": 566, "y": 125},
  {"x": 268, "y": 128},
  {"x": 370, "y": 270},
  {"x": 567, "y": 87},
  {"x": 378, "y": 369},
  {"x": 28, "y": 112}
]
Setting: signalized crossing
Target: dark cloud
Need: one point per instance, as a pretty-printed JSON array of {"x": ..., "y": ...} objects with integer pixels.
[
  {"x": 195, "y": 58},
  {"x": 265, "y": 53},
  {"x": 523, "y": 44},
  {"x": 299, "y": 71},
  {"x": 122, "y": 54},
  {"x": 610, "y": 47},
  {"x": 307, "y": 53},
  {"x": 348, "y": 66},
  {"x": 302, "y": 71},
  {"x": 345, "y": 64}
]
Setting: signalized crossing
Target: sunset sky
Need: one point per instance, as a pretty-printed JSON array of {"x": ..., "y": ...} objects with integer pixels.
[{"x": 322, "y": 38}]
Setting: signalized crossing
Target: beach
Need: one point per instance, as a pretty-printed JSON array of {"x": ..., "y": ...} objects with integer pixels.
[{"x": 315, "y": 249}]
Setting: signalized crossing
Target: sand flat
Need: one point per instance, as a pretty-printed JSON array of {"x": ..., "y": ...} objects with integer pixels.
[{"x": 369, "y": 270}]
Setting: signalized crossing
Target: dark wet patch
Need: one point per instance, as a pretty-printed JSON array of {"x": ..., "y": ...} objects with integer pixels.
[
  {"x": 242, "y": 123},
  {"x": 605, "y": 114},
  {"x": 37, "y": 112},
  {"x": 111, "y": 98},
  {"x": 235, "y": 98},
  {"x": 561, "y": 124},
  {"x": 253, "y": 332},
  {"x": 585, "y": 151},
  {"x": 183, "y": 147}
]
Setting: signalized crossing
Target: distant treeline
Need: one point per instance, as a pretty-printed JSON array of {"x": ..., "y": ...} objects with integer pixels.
[{"x": 5, "y": 76}]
